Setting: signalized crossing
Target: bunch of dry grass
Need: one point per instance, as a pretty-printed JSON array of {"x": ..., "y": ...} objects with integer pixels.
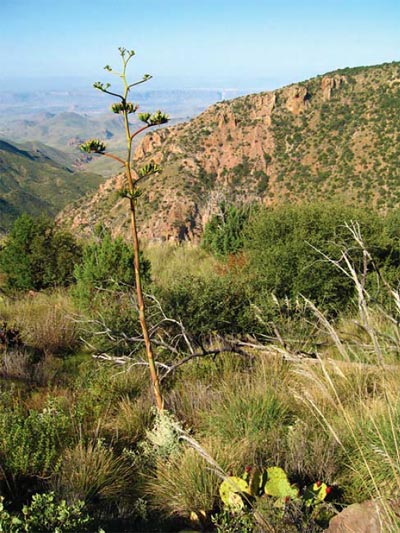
[
  {"x": 130, "y": 419},
  {"x": 353, "y": 399},
  {"x": 168, "y": 259},
  {"x": 45, "y": 321},
  {"x": 16, "y": 364}
]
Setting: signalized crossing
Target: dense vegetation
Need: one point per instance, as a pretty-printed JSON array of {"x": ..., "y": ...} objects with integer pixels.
[
  {"x": 237, "y": 338},
  {"x": 37, "y": 255}
]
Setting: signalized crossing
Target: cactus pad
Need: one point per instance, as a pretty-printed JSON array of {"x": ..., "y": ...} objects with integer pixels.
[
  {"x": 231, "y": 491},
  {"x": 278, "y": 484}
]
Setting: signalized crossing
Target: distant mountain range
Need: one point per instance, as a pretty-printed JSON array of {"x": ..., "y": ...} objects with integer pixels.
[
  {"x": 333, "y": 136},
  {"x": 64, "y": 119},
  {"x": 180, "y": 103},
  {"x": 38, "y": 179}
]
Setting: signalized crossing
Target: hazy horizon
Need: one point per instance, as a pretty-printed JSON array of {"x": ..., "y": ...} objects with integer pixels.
[{"x": 254, "y": 45}]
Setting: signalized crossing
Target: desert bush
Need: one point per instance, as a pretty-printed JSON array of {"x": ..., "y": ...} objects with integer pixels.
[
  {"x": 107, "y": 265},
  {"x": 43, "y": 514},
  {"x": 216, "y": 305},
  {"x": 104, "y": 292},
  {"x": 223, "y": 234},
  {"x": 286, "y": 250},
  {"x": 283, "y": 247}
]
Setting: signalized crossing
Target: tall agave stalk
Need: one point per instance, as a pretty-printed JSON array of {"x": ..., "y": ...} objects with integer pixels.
[{"x": 133, "y": 176}]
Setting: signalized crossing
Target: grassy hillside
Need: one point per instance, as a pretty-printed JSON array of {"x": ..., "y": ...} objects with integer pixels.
[
  {"x": 37, "y": 179},
  {"x": 314, "y": 396}
]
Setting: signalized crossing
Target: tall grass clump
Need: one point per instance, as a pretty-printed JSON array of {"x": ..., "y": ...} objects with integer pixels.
[
  {"x": 130, "y": 419},
  {"x": 252, "y": 410},
  {"x": 186, "y": 482},
  {"x": 167, "y": 259},
  {"x": 93, "y": 471}
]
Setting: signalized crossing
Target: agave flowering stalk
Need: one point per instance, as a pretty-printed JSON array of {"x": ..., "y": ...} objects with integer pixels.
[{"x": 133, "y": 175}]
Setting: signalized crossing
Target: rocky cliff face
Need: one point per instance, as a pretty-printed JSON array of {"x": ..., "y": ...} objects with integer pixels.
[{"x": 334, "y": 135}]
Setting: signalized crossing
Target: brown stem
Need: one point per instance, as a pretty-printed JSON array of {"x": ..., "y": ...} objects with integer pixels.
[
  {"x": 115, "y": 157},
  {"x": 141, "y": 306},
  {"x": 139, "y": 131}
]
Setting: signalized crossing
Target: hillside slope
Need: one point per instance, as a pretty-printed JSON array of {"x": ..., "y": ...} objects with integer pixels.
[
  {"x": 335, "y": 135},
  {"x": 37, "y": 179}
]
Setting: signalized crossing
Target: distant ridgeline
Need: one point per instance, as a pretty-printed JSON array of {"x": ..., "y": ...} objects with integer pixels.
[
  {"x": 37, "y": 179},
  {"x": 335, "y": 135}
]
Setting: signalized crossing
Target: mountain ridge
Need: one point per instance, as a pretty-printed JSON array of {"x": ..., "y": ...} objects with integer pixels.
[
  {"x": 37, "y": 179},
  {"x": 335, "y": 135}
]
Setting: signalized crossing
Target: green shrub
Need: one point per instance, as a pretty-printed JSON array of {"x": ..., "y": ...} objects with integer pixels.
[
  {"x": 107, "y": 265},
  {"x": 31, "y": 443},
  {"x": 217, "y": 305},
  {"x": 105, "y": 291},
  {"x": 223, "y": 234}
]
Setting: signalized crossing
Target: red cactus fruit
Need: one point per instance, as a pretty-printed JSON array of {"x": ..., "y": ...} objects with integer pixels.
[{"x": 328, "y": 490}]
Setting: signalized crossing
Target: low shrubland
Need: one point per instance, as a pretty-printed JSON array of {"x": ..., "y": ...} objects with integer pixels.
[{"x": 253, "y": 377}]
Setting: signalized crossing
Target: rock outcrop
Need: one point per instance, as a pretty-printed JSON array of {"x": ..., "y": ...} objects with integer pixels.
[
  {"x": 329, "y": 84},
  {"x": 298, "y": 99}
]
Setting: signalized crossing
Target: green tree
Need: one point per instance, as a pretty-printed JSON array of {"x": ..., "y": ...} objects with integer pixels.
[
  {"x": 133, "y": 177},
  {"x": 38, "y": 255}
]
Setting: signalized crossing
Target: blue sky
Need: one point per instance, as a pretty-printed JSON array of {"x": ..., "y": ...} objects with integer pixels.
[{"x": 184, "y": 43}]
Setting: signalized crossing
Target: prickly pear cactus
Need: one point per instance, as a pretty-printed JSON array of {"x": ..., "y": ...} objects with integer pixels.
[
  {"x": 278, "y": 485},
  {"x": 231, "y": 491},
  {"x": 315, "y": 493}
]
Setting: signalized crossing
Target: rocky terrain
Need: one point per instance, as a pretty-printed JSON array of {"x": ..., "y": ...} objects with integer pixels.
[{"x": 335, "y": 135}]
